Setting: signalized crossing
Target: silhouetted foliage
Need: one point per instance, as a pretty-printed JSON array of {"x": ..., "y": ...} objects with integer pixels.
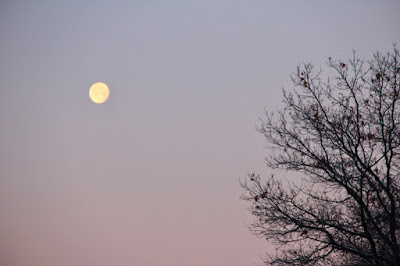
[{"x": 341, "y": 130}]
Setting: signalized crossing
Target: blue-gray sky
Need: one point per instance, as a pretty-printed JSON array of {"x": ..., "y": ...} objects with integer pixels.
[{"x": 151, "y": 177}]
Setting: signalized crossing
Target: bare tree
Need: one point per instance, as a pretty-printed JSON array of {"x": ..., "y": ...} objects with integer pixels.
[{"x": 341, "y": 129}]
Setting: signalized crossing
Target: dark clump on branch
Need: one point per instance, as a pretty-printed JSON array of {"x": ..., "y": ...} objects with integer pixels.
[{"x": 341, "y": 129}]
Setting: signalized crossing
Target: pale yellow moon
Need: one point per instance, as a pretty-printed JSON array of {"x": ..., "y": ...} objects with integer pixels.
[{"x": 99, "y": 92}]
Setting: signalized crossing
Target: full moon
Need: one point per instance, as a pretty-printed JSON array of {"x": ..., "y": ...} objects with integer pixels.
[{"x": 99, "y": 92}]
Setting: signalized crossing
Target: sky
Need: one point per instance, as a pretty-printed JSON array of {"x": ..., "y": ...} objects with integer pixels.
[{"x": 151, "y": 177}]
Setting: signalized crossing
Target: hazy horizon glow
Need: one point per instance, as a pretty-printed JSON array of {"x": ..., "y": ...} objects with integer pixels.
[{"x": 151, "y": 176}]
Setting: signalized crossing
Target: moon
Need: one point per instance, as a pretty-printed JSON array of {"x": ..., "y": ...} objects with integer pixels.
[{"x": 99, "y": 92}]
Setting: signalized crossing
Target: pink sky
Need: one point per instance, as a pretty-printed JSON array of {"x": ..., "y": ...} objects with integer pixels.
[{"x": 151, "y": 177}]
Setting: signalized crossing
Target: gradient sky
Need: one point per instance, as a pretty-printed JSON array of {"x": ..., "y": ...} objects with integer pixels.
[{"x": 151, "y": 177}]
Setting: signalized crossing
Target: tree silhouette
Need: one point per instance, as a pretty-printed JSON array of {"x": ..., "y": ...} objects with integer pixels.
[{"x": 340, "y": 128}]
